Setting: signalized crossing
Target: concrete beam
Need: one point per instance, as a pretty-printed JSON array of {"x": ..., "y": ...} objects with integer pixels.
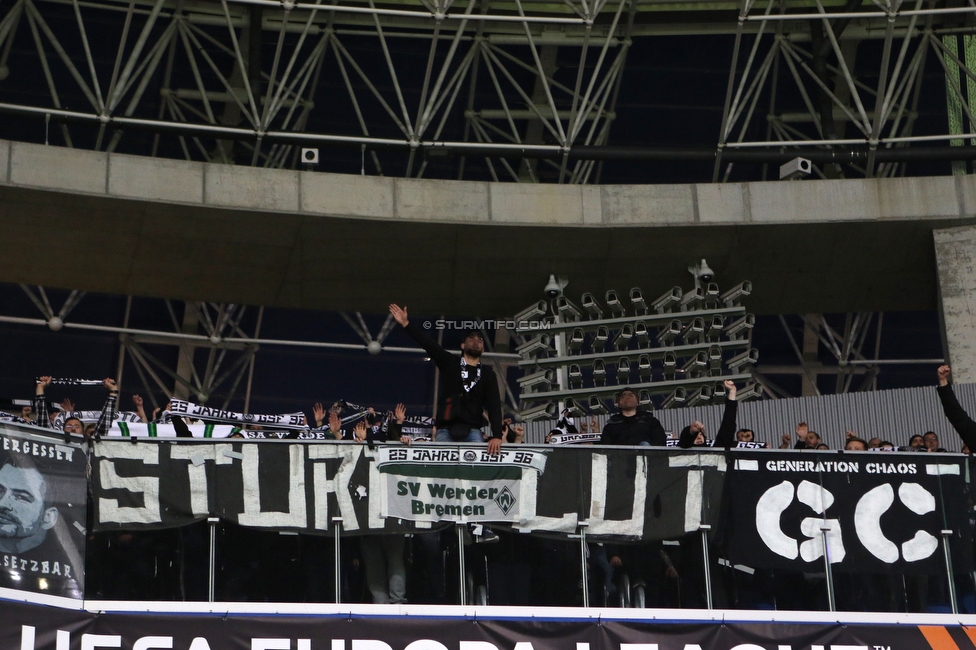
[
  {"x": 955, "y": 251},
  {"x": 191, "y": 231}
]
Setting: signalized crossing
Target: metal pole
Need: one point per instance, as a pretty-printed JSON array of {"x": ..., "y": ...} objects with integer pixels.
[
  {"x": 831, "y": 601},
  {"x": 585, "y": 573},
  {"x": 949, "y": 574},
  {"x": 337, "y": 531},
  {"x": 461, "y": 577},
  {"x": 211, "y": 583},
  {"x": 704, "y": 528}
]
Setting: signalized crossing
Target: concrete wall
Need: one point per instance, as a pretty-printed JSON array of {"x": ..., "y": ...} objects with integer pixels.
[
  {"x": 955, "y": 250},
  {"x": 192, "y": 231}
]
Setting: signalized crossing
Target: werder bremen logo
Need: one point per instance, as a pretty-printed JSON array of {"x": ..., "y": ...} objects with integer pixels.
[{"x": 505, "y": 500}]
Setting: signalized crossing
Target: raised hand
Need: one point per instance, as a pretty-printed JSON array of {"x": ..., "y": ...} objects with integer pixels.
[
  {"x": 318, "y": 412},
  {"x": 400, "y": 413},
  {"x": 399, "y": 315},
  {"x": 730, "y": 389},
  {"x": 137, "y": 400},
  {"x": 110, "y": 384},
  {"x": 42, "y": 382},
  {"x": 67, "y": 405},
  {"x": 944, "y": 373},
  {"x": 359, "y": 433},
  {"x": 335, "y": 425},
  {"x": 801, "y": 430}
]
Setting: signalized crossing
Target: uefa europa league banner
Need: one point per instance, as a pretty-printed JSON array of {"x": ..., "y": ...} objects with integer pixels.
[
  {"x": 43, "y": 499},
  {"x": 34, "y": 627}
]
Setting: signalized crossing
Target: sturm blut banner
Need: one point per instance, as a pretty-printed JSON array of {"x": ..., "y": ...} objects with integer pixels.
[
  {"x": 33, "y": 627},
  {"x": 621, "y": 494},
  {"x": 771, "y": 509},
  {"x": 877, "y": 512}
]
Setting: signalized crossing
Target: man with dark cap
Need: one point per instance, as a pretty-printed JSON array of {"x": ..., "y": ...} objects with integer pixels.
[
  {"x": 632, "y": 426},
  {"x": 469, "y": 387}
]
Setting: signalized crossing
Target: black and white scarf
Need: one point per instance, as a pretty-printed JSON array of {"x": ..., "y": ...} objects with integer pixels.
[{"x": 466, "y": 376}]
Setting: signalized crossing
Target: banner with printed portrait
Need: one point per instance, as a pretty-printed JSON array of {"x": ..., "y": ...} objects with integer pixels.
[{"x": 43, "y": 502}]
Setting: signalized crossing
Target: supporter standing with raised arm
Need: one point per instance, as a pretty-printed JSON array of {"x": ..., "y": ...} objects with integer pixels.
[
  {"x": 957, "y": 416},
  {"x": 469, "y": 388},
  {"x": 694, "y": 434}
]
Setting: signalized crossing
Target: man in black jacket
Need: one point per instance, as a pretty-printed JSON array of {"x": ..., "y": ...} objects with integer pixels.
[
  {"x": 960, "y": 421},
  {"x": 632, "y": 426},
  {"x": 694, "y": 434},
  {"x": 469, "y": 387}
]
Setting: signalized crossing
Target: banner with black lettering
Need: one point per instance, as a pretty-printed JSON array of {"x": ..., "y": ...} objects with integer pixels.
[
  {"x": 36, "y": 627},
  {"x": 621, "y": 494},
  {"x": 876, "y": 512},
  {"x": 43, "y": 499}
]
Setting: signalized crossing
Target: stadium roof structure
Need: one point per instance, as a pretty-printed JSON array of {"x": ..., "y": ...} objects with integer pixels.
[{"x": 574, "y": 92}]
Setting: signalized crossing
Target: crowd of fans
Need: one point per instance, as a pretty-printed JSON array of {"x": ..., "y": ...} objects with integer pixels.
[{"x": 469, "y": 406}]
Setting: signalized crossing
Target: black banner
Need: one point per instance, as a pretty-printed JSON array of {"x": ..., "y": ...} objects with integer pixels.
[
  {"x": 878, "y": 512},
  {"x": 32, "y": 627},
  {"x": 619, "y": 494},
  {"x": 43, "y": 500}
]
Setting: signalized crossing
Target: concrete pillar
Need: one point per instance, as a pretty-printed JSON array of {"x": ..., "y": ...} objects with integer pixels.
[{"x": 955, "y": 256}]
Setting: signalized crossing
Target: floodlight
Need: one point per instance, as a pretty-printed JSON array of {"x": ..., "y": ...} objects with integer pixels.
[
  {"x": 535, "y": 311},
  {"x": 597, "y": 406},
  {"x": 637, "y": 300},
  {"x": 718, "y": 390},
  {"x": 752, "y": 391},
  {"x": 613, "y": 303},
  {"x": 534, "y": 346},
  {"x": 715, "y": 326},
  {"x": 740, "y": 363},
  {"x": 740, "y": 327},
  {"x": 667, "y": 301},
  {"x": 700, "y": 396},
  {"x": 623, "y": 370},
  {"x": 567, "y": 310},
  {"x": 640, "y": 331},
  {"x": 715, "y": 361},
  {"x": 575, "y": 376},
  {"x": 541, "y": 412},
  {"x": 693, "y": 332},
  {"x": 600, "y": 340},
  {"x": 576, "y": 341},
  {"x": 644, "y": 368},
  {"x": 591, "y": 306},
  {"x": 644, "y": 398},
  {"x": 732, "y": 296},
  {"x": 574, "y": 409},
  {"x": 669, "y": 333},
  {"x": 693, "y": 299},
  {"x": 537, "y": 381},
  {"x": 623, "y": 337},
  {"x": 795, "y": 169},
  {"x": 695, "y": 364},
  {"x": 670, "y": 364},
  {"x": 676, "y": 398},
  {"x": 711, "y": 295},
  {"x": 599, "y": 373}
]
